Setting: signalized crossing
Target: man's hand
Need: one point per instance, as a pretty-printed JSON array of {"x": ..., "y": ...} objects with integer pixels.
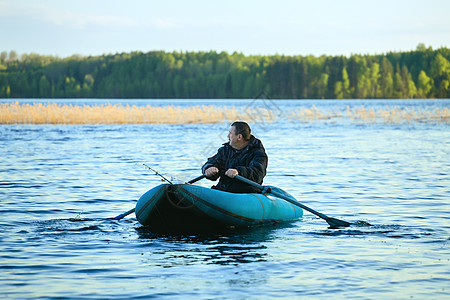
[
  {"x": 210, "y": 172},
  {"x": 232, "y": 173}
]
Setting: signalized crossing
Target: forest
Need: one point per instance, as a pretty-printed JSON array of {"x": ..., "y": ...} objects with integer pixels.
[{"x": 421, "y": 73}]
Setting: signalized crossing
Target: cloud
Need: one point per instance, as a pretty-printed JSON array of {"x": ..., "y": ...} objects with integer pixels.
[
  {"x": 82, "y": 20},
  {"x": 163, "y": 23},
  {"x": 64, "y": 18},
  {"x": 290, "y": 27}
]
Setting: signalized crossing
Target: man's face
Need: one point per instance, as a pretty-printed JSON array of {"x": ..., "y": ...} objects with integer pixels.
[{"x": 233, "y": 137}]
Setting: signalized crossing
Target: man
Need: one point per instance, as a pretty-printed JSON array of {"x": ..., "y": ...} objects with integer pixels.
[{"x": 243, "y": 155}]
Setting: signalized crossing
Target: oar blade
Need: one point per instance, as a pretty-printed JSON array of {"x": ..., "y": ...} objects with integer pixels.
[
  {"x": 336, "y": 223},
  {"x": 333, "y": 222}
]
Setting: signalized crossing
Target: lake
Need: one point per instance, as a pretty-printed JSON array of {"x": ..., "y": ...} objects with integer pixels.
[{"x": 385, "y": 162}]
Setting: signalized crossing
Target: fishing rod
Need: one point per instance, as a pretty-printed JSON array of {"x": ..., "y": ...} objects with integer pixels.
[
  {"x": 159, "y": 174},
  {"x": 164, "y": 176},
  {"x": 123, "y": 215}
]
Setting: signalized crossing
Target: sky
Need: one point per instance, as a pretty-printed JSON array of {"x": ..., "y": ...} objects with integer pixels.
[{"x": 261, "y": 27}]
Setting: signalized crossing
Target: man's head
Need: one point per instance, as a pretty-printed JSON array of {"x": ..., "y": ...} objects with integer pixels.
[{"x": 239, "y": 135}]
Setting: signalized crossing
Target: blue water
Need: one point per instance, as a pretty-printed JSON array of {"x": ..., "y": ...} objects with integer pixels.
[{"x": 59, "y": 182}]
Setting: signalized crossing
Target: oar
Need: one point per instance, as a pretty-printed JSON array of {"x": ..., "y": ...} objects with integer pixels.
[
  {"x": 333, "y": 222},
  {"x": 123, "y": 215}
]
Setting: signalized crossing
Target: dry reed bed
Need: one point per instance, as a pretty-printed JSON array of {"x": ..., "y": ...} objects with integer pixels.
[
  {"x": 387, "y": 115},
  {"x": 51, "y": 113}
]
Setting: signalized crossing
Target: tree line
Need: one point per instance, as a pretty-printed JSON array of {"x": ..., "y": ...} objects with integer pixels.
[{"x": 422, "y": 73}]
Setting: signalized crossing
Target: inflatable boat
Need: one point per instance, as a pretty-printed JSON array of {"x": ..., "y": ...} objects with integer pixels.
[{"x": 187, "y": 206}]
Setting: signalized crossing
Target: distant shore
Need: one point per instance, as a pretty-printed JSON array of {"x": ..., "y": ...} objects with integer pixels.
[{"x": 423, "y": 73}]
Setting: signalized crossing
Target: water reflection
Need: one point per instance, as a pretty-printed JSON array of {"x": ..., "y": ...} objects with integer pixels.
[{"x": 227, "y": 247}]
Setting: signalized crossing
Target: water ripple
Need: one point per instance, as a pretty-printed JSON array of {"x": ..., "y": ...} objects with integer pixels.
[{"x": 59, "y": 183}]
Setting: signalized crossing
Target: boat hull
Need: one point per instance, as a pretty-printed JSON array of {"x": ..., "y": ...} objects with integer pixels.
[{"x": 182, "y": 206}]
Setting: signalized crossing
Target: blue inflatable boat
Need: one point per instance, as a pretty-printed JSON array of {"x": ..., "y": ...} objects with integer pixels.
[{"x": 183, "y": 206}]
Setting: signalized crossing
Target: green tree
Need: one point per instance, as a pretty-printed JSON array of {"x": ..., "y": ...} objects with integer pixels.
[
  {"x": 13, "y": 56},
  {"x": 412, "y": 90},
  {"x": 374, "y": 91},
  {"x": 322, "y": 85},
  {"x": 386, "y": 79},
  {"x": 425, "y": 85},
  {"x": 421, "y": 73},
  {"x": 44, "y": 87},
  {"x": 342, "y": 88},
  {"x": 3, "y": 57},
  {"x": 440, "y": 71}
]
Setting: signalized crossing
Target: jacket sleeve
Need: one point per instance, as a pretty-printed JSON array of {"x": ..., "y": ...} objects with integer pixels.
[
  {"x": 214, "y": 161},
  {"x": 257, "y": 167}
]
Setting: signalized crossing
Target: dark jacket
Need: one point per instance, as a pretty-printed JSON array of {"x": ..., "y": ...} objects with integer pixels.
[{"x": 250, "y": 162}]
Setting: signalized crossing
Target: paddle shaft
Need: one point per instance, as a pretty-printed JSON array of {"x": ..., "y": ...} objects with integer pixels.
[
  {"x": 123, "y": 215},
  {"x": 332, "y": 221},
  {"x": 279, "y": 195}
]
